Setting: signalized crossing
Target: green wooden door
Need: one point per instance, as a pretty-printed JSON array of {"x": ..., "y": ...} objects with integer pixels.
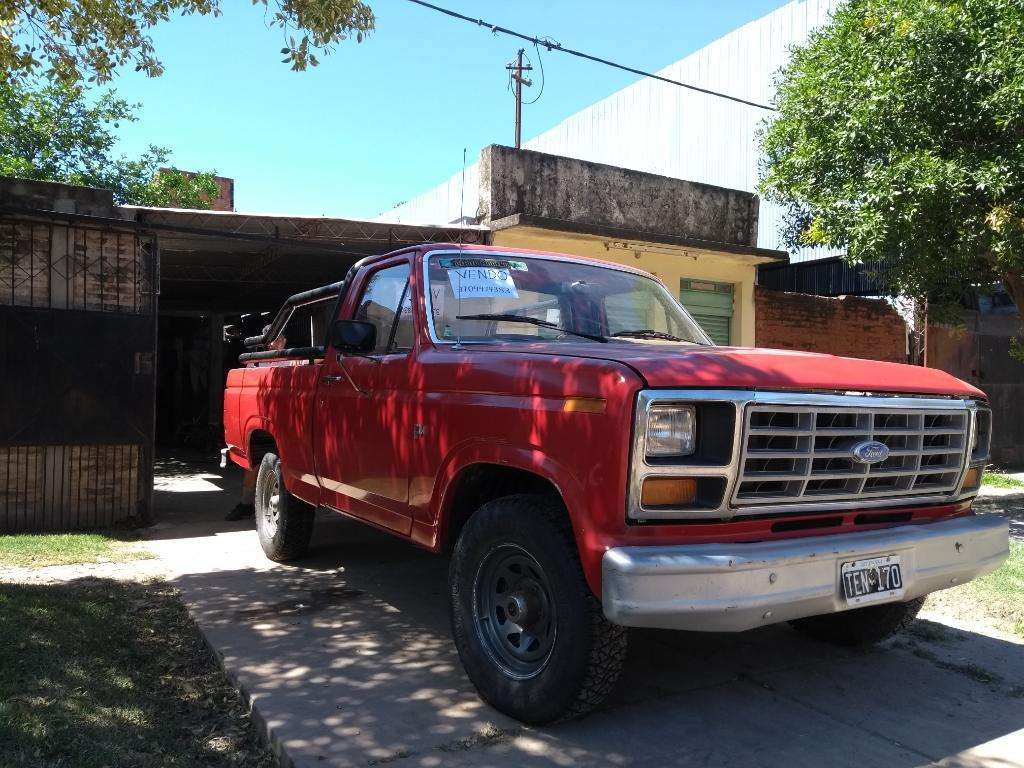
[{"x": 711, "y": 305}]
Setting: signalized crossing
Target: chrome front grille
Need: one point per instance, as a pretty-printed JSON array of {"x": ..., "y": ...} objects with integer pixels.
[{"x": 803, "y": 453}]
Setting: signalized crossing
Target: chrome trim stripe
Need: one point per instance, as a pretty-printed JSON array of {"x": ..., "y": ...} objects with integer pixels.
[{"x": 740, "y": 399}]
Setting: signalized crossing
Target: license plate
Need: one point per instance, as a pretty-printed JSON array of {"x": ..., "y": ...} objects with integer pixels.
[{"x": 871, "y": 580}]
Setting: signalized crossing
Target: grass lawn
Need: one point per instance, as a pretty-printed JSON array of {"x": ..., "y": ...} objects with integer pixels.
[
  {"x": 997, "y": 598},
  {"x": 102, "y": 673},
  {"x": 1003, "y": 591},
  {"x": 999, "y": 480},
  {"x": 37, "y": 550}
]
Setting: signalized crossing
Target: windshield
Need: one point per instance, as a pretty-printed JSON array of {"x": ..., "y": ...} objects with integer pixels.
[{"x": 484, "y": 297}]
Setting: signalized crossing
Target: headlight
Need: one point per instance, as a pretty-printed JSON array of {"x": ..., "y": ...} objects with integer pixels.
[
  {"x": 982, "y": 433},
  {"x": 670, "y": 431}
]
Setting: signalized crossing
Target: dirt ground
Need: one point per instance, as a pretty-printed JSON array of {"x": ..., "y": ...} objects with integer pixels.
[{"x": 347, "y": 660}]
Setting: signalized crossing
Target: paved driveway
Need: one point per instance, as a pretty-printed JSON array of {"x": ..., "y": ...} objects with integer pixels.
[{"x": 348, "y": 660}]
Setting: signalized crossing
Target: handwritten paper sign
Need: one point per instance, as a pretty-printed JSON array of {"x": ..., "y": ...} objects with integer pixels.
[
  {"x": 482, "y": 283},
  {"x": 437, "y": 294}
]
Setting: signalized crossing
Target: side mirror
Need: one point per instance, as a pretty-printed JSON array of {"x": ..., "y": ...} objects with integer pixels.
[{"x": 353, "y": 336}]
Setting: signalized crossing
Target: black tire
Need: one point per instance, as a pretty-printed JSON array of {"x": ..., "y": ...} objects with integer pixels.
[
  {"x": 860, "y": 626},
  {"x": 575, "y": 654},
  {"x": 285, "y": 524}
]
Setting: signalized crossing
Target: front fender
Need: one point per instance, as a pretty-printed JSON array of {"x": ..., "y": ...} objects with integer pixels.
[{"x": 526, "y": 458}]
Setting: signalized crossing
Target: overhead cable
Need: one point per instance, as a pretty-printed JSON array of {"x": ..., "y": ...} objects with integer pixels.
[{"x": 551, "y": 45}]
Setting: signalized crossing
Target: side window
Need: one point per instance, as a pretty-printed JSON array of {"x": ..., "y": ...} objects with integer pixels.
[
  {"x": 403, "y": 327},
  {"x": 306, "y": 326},
  {"x": 382, "y": 298}
]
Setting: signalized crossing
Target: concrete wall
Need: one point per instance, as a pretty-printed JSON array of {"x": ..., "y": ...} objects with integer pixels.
[
  {"x": 847, "y": 326},
  {"x": 564, "y": 189},
  {"x": 54, "y": 196},
  {"x": 554, "y": 200},
  {"x": 668, "y": 263}
]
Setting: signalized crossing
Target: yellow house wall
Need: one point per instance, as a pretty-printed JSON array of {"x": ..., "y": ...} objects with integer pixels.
[{"x": 669, "y": 263}]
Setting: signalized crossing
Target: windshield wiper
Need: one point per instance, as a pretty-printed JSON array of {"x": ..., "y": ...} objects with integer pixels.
[
  {"x": 649, "y": 333},
  {"x": 512, "y": 318}
]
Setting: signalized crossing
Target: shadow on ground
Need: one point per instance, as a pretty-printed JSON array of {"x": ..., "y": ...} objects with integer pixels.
[
  {"x": 348, "y": 659},
  {"x": 192, "y": 496},
  {"x": 1008, "y": 505}
]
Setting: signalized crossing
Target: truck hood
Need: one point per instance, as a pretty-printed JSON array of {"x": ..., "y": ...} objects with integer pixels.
[{"x": 671, "y": 365}]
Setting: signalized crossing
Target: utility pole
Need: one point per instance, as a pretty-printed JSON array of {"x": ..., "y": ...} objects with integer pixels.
[{"x": 517, "y": 70}]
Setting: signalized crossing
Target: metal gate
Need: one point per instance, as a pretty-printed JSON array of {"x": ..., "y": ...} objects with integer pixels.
[
  {"x": 77, "y": 343},
  {"x": 979, "y": 352}
]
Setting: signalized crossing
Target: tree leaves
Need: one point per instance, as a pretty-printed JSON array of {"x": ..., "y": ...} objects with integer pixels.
[
  {"x": 900, "y": 136},
  {"x": 86, "y": 41},
  {"x": 57, "y": 133}
]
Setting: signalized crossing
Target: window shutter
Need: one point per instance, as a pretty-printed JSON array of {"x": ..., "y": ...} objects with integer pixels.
[{"x": 711, "y": 305}]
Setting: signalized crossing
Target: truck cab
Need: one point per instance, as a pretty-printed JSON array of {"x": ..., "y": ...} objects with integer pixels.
[{"x": 566, "y": 433}]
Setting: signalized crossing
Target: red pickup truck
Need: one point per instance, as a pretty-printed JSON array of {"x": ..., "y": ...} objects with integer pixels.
[{"x": 565, "y": 431}]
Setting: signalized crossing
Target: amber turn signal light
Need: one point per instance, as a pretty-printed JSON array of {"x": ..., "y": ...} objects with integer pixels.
[
  {"x": 972, "y": 479},
  {"x": 668, "y": 491},
  {"x": 583, "y": 405}
]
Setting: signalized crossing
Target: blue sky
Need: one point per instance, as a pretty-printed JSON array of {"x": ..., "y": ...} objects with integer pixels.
[{"x": 382, "y": 121}]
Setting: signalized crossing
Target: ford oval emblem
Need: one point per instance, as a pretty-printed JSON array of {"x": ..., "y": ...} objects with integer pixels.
[{"x": 870, "y": 452}]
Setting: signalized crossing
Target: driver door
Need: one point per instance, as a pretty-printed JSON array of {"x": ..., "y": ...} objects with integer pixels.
[{"x": 363, "y": 409}]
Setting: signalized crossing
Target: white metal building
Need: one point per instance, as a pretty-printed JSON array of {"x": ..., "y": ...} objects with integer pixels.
[{"x": 660, "y": 128}]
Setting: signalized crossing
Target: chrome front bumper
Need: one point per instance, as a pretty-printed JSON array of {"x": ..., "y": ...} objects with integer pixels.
[{"x": 733, "y": 587}]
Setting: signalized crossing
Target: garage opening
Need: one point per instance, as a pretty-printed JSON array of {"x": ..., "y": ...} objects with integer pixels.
[{"x": 223, "y": 277}]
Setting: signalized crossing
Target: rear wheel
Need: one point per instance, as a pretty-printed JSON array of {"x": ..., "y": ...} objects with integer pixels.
[
  {"x": 860, "y": 626},
  {"x": 531, "y": 635},
  {"x": 284, "y": 524}
]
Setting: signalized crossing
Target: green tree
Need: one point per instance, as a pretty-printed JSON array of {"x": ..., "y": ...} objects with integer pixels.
[
  {"x": 76, "y": 40},
  {"x": 900, "y": 136},
  {"x": 56, "y": 133}
]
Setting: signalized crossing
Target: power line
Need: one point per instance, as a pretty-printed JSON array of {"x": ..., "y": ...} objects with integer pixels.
[
  {"x": 551, "y": 45},
  {"x": 543, "y": 79}
]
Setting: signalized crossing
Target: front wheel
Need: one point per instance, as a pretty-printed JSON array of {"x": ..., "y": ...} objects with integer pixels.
[
  {"x": 284, "y": 524},
  {"x": 860, "y": 626},
  {"x": 531, "y": 636}
]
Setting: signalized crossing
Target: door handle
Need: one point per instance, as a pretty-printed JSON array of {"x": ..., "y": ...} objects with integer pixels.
[{"x": 329, "y": 380}]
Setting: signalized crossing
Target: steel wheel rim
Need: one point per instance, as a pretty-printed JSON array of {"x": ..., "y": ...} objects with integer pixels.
[
  {"x": 514, "y": 613},
  {"x": 272, "y": 506}
]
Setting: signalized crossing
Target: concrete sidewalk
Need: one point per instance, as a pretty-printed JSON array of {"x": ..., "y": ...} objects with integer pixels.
[{"x": 348, "y": 660}]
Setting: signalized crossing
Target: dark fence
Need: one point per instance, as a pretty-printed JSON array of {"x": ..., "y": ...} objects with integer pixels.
[
  {"x": 77, "y": 343},
  {"x": 828, "y": 277}
]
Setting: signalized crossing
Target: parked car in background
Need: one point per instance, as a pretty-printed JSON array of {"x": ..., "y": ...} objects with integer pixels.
[{"x": 591, "y": 462}]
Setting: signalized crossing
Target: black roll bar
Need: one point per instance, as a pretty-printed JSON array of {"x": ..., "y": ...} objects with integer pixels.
[
  {"x": 338, "y": 290},
  {"x": 289, "y": 306},
  {"x": 308, "y": 353}
]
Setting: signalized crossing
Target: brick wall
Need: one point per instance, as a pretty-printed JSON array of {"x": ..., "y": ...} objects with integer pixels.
[
  {"x": 225, "y": 200},
  {"x": 847, "y": 326}
]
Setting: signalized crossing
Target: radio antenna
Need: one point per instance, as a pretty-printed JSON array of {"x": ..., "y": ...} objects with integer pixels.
[{"x": 462, "y": 197}]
